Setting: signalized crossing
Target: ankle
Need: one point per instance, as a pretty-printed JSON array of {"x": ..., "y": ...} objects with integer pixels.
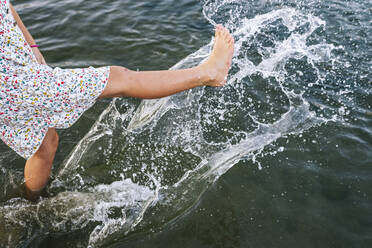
[{"x": 206, "y": 74}]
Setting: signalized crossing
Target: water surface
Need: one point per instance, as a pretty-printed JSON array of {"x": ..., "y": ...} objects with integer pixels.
[{"x": 279, "y": 157}]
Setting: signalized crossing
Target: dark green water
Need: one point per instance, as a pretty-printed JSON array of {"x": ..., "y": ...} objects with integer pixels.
[{"x": 280, "y": 157}]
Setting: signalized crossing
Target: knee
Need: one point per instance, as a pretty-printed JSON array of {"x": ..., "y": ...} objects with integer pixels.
[
  {"x": 116, "y": 83},
  {"x": 118, "y": 72},
  {"x": 120, "y": 69}
]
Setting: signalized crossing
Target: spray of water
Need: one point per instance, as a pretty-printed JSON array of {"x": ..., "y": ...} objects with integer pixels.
[{"x": 141, "y": 168}]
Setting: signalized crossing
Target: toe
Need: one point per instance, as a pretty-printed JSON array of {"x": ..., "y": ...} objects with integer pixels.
[
  {"x": 219, "y": 28},
  {"x": 227, "y": 34},
  {"x": 217, "y": 32},
  {"x": 225, "y": 31},
  {"x": 231, "y": 40}
]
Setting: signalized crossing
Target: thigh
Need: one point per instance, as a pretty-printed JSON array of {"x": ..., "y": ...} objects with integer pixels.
[{"x": 49, "y": 145}]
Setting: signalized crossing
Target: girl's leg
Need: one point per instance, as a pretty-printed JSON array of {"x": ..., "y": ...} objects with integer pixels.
[
  {"x": 156, "y": 84},
  {"x": 38, "y": 167},
  {"x": 151, "y": 84}
]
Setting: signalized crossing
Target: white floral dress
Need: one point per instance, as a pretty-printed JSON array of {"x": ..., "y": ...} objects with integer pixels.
[{"x": 36, "y": 97}]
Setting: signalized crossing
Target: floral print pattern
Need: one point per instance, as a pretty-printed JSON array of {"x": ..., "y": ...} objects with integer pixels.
[{"x": 35, "y": 97}]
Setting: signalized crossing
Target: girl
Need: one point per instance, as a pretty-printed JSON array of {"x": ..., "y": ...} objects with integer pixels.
[{"x": 35, "y": 99}]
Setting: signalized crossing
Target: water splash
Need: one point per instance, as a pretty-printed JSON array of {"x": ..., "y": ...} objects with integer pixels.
[{"x": 141, "y": 168}]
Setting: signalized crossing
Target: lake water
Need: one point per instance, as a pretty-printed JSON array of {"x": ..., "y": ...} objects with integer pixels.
[{"x": 279, "y": 157}]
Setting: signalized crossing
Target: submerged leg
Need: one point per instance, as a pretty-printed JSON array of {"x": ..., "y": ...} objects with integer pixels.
[
  {"x": 38, "y": 167},
  {"x": 156, "y": 84}
]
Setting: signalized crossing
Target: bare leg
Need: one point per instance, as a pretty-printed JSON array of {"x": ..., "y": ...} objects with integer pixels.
[
  {"x": 38, "y": 167},
  {"x": 156, "y": 84},
  {"x": 151, "y": 84}
]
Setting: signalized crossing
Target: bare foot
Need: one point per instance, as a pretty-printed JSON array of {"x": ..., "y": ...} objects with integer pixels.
[{"x": 218, "y": 64}]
